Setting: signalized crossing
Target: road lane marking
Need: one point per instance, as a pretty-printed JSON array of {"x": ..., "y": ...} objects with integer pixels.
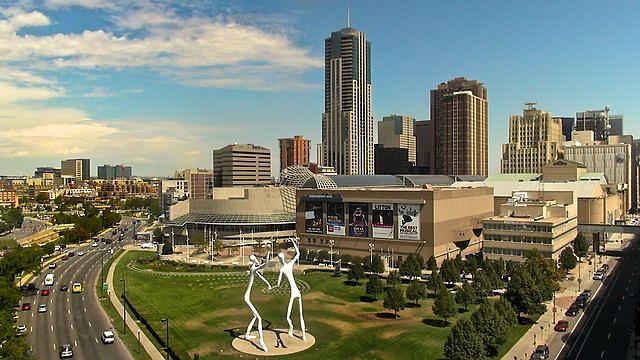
[
  {"x": 52, "y": 328},
  {"x": 76, "y": 343},
  {"x": 71, "y": 326},
  {"x": 50, "y": 313},
  {"x": 54, "y": 346},
  {"x": 31, "y": 329},
  {"x": 31, "y": 314},
  {"x": 85, "y": 309},
  {"x": 614, "y": 320},
  {"x": 69, "y": 311},
  {"x": 602, "y": 354},
  {"x": 609, "y": 336},
  {"x": 96, "y": 339},
  {"x": 89, "y": 323}
]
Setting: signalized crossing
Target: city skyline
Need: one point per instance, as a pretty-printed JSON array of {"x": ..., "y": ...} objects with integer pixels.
[{"x": 159, "y": 116}]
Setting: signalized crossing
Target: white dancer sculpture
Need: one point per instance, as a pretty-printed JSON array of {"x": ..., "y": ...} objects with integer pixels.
[
  {"x": 253, "y": 271},
  {"x": 287, "y": 270}
]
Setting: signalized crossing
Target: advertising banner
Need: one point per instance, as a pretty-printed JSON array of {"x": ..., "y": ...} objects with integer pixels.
[
  {"x": 409, "y": 221},
  {"x": 335, "y": 219},
  {"x": 382, "y": 222},
  {"x": 358, "y": 219},
  {"x": 313, "y": 217}
]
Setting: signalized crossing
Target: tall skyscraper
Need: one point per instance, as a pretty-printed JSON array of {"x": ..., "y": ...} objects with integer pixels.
[
  {"x": 110, "y": 172},
  {"x": 459, "y": 112},
  {"x": 534, "y": 140},
  {"x": 596, "y": 121},
  {"x": 80, "y": 169},
  {"x": 396, "y": 131},
  {"x": 241, "y": 165},
  {"x": 423, "y": 131},
  {"x": 293, "y": 151},
  {"x": 347, "y": 121}
]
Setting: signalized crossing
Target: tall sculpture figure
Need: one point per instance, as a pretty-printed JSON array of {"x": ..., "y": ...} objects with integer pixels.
[
  {"x": 287, "y": 270},
  {"x": 253, "y": 271}
]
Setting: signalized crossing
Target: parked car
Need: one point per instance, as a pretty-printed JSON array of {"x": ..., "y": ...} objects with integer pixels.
[
  {"x": 42, "y": 308},
  {"x": 26, "y": 306},
  {"x": 561, "y": 326},
  {"x": 64, "y": 287},
  {"x": 572, "y": 310},
  {"x": 52, "y": 266},
  {"x": 586, "y": 293},
  {"x": 605, "y": 267},
  {"x": 44, "y": 292},
  {"x": 541, "y": 353},
  {"x": 107, "y": 337},
  {"x": 66, "y": 351},
  {"x": 598, "y": 276}
]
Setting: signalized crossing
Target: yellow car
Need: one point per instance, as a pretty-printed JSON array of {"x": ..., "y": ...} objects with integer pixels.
[{"x": 77, "y": 288}]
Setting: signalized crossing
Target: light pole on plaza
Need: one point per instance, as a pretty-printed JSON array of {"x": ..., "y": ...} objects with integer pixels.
[
  {"x": 331, "y": 242},
  {"x": 371, "y": 246}
]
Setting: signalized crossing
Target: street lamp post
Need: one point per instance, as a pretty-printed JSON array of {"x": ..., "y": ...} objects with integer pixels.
[
  {"x": 138, "y": 341},
  {"x": 166, "y": 321},
  {"x": 124, "y": 305},
  {"x": 173, "y": 242},
  {"x": 371, "y": 246},
  {"x": 579, "y": 276},
  {"x": 187, "y": 245},
  {"x": 331, "y": 242}
]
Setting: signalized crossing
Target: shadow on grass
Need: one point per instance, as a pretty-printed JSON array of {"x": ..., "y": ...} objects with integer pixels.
[
  {"x": 237, "y": 332},
  {"x": 435, "y": 322},
  {"x": 522, "y": 320},
  {"x": 385, "y": 315},
  {"x": 351, "y": 283},
  {"x": 413, "y": 305},
  {"x": 462, "y": 310},
  {"x": 367, "y": 298}
]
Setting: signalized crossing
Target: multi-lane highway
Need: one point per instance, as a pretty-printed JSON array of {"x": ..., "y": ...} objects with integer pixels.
[
  {"x": 75, "y": 319},
  {"x": 606, "y": 328}
]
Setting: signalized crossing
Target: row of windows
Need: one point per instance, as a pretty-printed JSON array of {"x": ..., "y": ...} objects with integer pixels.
[
  {"x": 516, "y": 227},
  {"x": 519, "y": 239},
  {"x": 511, "y": 252}
]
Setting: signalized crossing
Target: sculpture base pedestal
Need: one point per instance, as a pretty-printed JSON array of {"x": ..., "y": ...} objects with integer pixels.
[{"x": 278, "y": 342}]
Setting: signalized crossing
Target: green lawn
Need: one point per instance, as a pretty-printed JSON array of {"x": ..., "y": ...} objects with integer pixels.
[{"x": 206, "y": 310}]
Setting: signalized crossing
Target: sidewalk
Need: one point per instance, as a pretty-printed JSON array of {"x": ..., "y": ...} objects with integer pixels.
[
  {"x": 148, "y": 346},
  {"x": 542, "y": 331}
]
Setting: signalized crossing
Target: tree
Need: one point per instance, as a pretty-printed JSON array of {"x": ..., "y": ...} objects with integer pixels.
[
  {"x": 110, "y": 218},
  {"x": 394, "y": 300},
  {"x": 450, "y": 272},
  {"x": 445, "y": 305},
  {"x": 42, "y": 198},
  {"x": 567, "y": 259},
  {"x": 393, "y": 279},
  {"x": 581, "y": 246},
  {"x": 464, "y": 342},
  {"x": 490, "y": 326},
  {"x": 167, "y": 249},
  {"x": 471, "y": 265},
  {"x": 345, "y": 258},
  {"x": 323, "y": 255},
  {"x": 76, "y": 235},
  {"x": 356, "y": 273},
  {"x": 158, "y": 234},
  {"x": 374, "y": 286},
  {"x": 465, "y": 295},
  {"x": 411, "y": 267},
  {"x": 377, "y": 266},
  {"x": 13, "y": 217},
  {"x": 524, "y": 292},
  {"x": 432, "y": 264},
  {"x": 416, "y": 291},
  {"x": 435, "y": 282},
  {"x": 89, "y": 209},
  {"x": 482, "y": 285},
  {"x": 505, "y": 309}
]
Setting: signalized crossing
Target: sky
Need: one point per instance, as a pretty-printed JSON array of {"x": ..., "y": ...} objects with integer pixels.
[{"x": 159, "y": 84}]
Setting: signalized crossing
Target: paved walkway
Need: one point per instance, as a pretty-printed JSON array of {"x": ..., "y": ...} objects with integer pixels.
[
  {"x": 542, "y": 331},
  {"x": 148, "y": 346}
]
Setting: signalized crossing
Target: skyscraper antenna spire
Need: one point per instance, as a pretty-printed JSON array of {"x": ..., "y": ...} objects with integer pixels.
[{"x": 348, "y": 17}]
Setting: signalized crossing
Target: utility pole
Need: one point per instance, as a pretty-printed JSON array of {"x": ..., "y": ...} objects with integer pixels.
[
  {"x": 331, "y": 251},
  {"x": 371, "y": 246}
]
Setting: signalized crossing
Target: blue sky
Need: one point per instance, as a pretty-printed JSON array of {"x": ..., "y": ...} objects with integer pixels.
[{"x": 158, "y": 85}]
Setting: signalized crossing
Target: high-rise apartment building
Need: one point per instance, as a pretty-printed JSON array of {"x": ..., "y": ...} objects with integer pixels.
[
  {"x": 347, "y": 121},
  {"x": 459, "y": 112},
  {"x": 596, "y": 121},
  {"x": 198, "y": 182},
  {"x": 241, "y": 165},
  {"x": 109, "y": 172},
  {"x": 535, "y": 139},
  {"x": 423, "y": 131},
  {"x": 80, "y": 169},
  {"x": 293, "y": 151},
  {"x": 396, "y": 131}
]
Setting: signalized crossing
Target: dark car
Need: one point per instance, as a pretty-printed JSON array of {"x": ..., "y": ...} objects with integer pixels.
[
  {"x": 605, "y": 267},
  {"x": 64, "y": 288},
  {"x": 541, "y": 353},
  {"x": 561, "y": 326},
  {"x": 65, "y": 257},
  {"x": 66, "y": 351},
  {"x": 586, "y": 293},
  {"x": 44, "y": 292},
  {"x": 572, "y": 310},
  {"x": 71, "y": 253},
  {"x": 26, "y": 306}
]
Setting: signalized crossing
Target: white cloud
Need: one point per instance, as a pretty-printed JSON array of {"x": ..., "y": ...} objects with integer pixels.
[{"x": 89, "y": 4}]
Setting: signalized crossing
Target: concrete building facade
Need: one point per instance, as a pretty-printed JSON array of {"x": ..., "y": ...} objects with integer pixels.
[
  {"x": 241, "y": 165},
  {"x": 459, "y": 111},
  {"x": 78, "y": 168},
  {"x": 438, "y": 221},
  {"x": 535, "y": 138},
  {"x": 347, "y": 121},
  {"x": 293, "y": 151},
  {"x": 199, "y": 182},
  {"x": 396, "y": 131},
  {"x": 110, "y": 172}
]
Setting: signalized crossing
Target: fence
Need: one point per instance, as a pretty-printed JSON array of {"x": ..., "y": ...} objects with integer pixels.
[{"x": 152, "y": 331}]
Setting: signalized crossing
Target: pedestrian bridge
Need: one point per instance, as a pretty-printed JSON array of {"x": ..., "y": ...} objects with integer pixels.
[{"x": 609, "y": 228}]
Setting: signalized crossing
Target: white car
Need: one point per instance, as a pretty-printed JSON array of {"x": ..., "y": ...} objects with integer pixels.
[
  {"x": 52, "y": 266},
  {"x": 107, "y": 337},
  {"x": 598, "y": 276},
  {"x": 42, "y": 308},
  {"x": 80, "y": 253},
  {"x": 21, "y": 330},
  {"x": 95, "y": 244}
]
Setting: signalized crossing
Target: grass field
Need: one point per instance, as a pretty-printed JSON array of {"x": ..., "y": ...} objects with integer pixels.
[{"x": 206, "y": 311}]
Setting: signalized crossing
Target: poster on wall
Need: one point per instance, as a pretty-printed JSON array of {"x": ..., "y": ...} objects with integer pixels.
[
  {"x": 335, "y": 219},
  {"x": 313, "y": 217},
  {"x": 358, "y": 219},
  {"x": 382, "y": 222},
  {"x": 409, "y": 221}
]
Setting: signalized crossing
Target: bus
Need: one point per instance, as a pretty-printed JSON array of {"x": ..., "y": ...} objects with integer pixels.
[{"x": 48, "y": 280}]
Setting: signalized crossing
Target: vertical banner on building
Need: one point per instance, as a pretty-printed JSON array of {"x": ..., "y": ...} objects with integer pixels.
[
  {"x": 313, "y": 217},
  {"x": 358, "y": 219},
  {"x": 382, "y": 222},
  {"x": 409, "y": 221},
  {"x": 335, "y": 218}
]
